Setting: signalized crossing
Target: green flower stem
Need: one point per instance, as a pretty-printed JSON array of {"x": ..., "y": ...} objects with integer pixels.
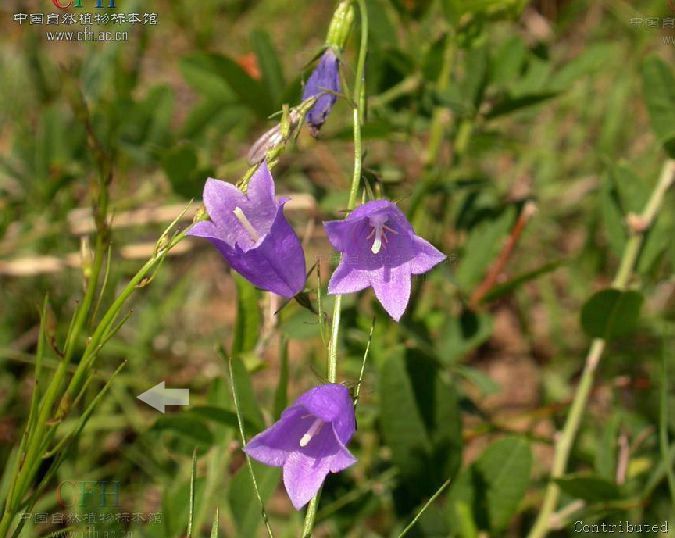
[
  {"x": 360, "y": 102},
  {"x": 563, "y": 446}
]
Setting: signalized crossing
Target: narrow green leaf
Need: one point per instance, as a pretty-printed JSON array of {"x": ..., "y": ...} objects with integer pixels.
[
  {"x": 191, "y": 508},
  {"x": 481, "y": 248},
  {"x": 589, "y": 488},
  {"x": 214, "y": 527},
  {"x": 503, "y": 470},
  {"x": 508, "y": 105},
  {"x": 659, "y": 91},
  {"x": 186, "y": 426},
  {"x": 248, "y": 321},
  {"x": 513, "y": 284},
  {"x": 610, "y": 313},
  {"x": 281, "y": 392}
]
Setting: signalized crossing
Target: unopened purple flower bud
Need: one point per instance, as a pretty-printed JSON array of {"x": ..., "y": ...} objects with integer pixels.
[{"x": 324, "y": 82}]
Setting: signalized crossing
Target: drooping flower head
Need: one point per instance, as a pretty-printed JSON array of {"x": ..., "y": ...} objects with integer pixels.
[
  {"x": 326, "y": 76},
  {"x": 252, "y": 233},
  {"x": 381, "y": 250},
  {"x": 309, "y": 441}
]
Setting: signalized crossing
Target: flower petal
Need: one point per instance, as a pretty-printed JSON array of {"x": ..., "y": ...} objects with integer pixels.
[
  {"x": 426, "y": 256},
  {"x": 332, "y": 403},
  {"x": 260, "y": 205},
  {"x": 303, "y": 477},
  {"x": 206, "y": 229},
  {"x": 220, "y": 199},
  {"x": 392, "y": 289},
  {"x": 348, "y": 279},
  {"x": 306, "y": 469},
  {"x": 273, "y": 445},
  {"x": 277, "y": 264}
]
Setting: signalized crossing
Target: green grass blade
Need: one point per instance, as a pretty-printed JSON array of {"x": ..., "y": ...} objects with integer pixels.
[
  {"x": 192, "y": 494},
  {"x": 240, "y": 421},
  {"x": 214, "y": 527},
  {"x": 423, "y": 509}
]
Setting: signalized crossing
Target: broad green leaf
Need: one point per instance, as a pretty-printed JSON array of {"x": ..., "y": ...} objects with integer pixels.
[
  {"x": 485, "y": 383},
  {"x": 402, "y": 425},
  {"x": 475, "y": 79},
  {"x": 659, "y": 91},
  {"x": 459, "y": 505},
  {"x": 433, "y": 59},
  {"x": 180, "y": 165},
  {"x": 508, "y": 61},
  {"x": 244, "y": 505},
  {"x": 270, "y": 67},
  {"x": 503, "y": 472},
  {"x": 612, "y": 217},
  {"x": 463, "y": 333},
  {"x": 589, "y": 488},
  {"x": 610, "y": 313},
  {"x": 248, "y": 321},
  {"x": 632, "y": 189}
]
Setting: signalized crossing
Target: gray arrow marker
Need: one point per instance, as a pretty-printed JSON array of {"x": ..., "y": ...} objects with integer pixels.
[{"x": 159, "y": 397}]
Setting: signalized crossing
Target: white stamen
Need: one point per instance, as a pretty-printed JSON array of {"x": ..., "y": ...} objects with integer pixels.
[
  {"x": 377, "y": 244},
  {"x": 246, "y": 223},
  {"x": 311, "y": 432}
]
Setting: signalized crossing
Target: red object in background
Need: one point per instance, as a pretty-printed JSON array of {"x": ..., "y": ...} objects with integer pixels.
[{"x": 250, "y": 64}]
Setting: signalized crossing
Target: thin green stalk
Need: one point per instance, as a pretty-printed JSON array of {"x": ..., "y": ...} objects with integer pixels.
[
  {"x": 360, "y": 103},
  {"x": 423, "y": 509},
  {"x": 568, "y": 434},
  {"x": 240, "y": 422}
]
